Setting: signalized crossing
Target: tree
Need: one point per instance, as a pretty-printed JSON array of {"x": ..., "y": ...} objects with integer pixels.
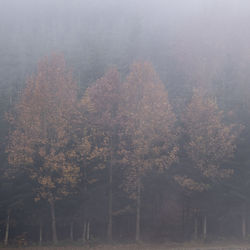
[
  {"x": 41, "y": 136},
  {"x": 149, "y": 140},
  {"x": 90, "y": 151},
  {"x": 106, "y": 98},
  {"x": 209, "y": 141},
  {"x": 208, "y": 144}
]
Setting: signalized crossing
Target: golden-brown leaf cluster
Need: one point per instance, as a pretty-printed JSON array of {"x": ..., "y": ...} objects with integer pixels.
[
  {"x": 56, "y": 138},
  {"x": 149, "y": 128},
  {"x": 42, "y": 129},
  {"x": 209, "y": 142}
]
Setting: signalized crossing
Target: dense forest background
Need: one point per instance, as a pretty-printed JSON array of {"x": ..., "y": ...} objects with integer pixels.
[{"x": 151, "y": 128}]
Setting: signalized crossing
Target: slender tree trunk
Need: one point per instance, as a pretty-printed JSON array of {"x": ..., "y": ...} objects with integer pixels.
[
  {"x": 84, "y": 237},
  {"x": 110, "y": 201},
  {"x": 40, "y": 233},
  {"x": 205, "y": 227},
  {"x": 71, "y": 232},
  {"x": 187, "y": 221},
  {"x": 6, "y": 238},
  {"x": 53, "y": 218},
  {"x": 196, "y": 228},
  {"x": 88, "y": 231},
  {"x": 243, "y": 228},
  {"x": 138, "y": 212},
  {"x": 244, "y": 222},
  {"x": 183, "y": 219}
]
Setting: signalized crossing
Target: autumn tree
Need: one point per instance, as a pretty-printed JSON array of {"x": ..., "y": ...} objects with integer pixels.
[
  {"x": 149, "y": 139},
  {"x": 90, "y": 151},
  {"x": 208, "y": 144},
  {"x": 41, "y": 136},
  {"x": 106, "y": 99}
]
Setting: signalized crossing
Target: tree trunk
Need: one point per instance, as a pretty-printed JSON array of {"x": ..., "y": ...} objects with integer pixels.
[
  {"x": 53, "y": 218},
  {"x": 71, "y": 233},
  {"x": 40, "y": 233},
  {"x": 243, "y": 228},
  {"x": 205, "y": 227},
  {"x": 244, "y": 223},
  {"x": 110, "y": 201},
  {"x": 88, "y": 231},
  {"x": 196, "y": 228},
  {"x": 6, "y": 238},
  {"x": 84, "y": 234},
  {"x": 183, "y": 219},
  {"x": 187, "y": 221},
  {"x": 138, "y": 211}
]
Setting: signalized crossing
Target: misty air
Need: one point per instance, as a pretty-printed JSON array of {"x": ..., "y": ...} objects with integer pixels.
[{"x": 125, "y": 124}]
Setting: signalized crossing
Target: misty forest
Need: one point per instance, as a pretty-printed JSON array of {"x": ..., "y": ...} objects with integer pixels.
[{"x": 124, "y": 121}]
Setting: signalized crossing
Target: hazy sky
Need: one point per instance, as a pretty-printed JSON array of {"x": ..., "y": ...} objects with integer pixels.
[{"x": 196, "y": 30}]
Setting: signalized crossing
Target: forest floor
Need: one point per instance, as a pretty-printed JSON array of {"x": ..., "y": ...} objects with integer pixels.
[{"x": 189, "y": 246}]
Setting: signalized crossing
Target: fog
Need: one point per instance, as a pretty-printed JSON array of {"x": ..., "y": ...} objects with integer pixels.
[
  {"x": 200, "y": 51},
  {"x": 119, "y": 32}
]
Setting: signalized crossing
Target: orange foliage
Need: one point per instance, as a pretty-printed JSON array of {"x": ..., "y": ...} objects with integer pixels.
[
  {"x": 209, "y": 141},
  {"x": 40, "y": 141},
  {"x": 150, "y": 135}
]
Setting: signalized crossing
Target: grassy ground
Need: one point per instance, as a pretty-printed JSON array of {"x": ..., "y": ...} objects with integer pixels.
[{"x": 188, "y": 246}]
